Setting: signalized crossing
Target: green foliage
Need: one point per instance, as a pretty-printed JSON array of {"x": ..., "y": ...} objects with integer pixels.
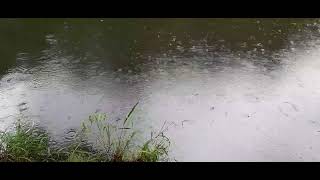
[
  {"x": 113, "y": 142},
  {"x": 152, "y": 151},
  {"x": 24, "y": 144}
]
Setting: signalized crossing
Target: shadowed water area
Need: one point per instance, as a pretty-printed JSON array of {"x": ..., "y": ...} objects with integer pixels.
[{"x": 230, "y": 89}]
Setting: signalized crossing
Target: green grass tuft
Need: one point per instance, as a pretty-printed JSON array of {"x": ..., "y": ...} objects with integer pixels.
[{"x": 25, "y": 144}]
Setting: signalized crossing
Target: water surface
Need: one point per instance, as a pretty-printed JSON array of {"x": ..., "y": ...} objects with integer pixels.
[{"x": 231, "y": 89}]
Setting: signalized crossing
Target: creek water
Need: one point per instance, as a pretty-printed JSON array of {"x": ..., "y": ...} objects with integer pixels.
[{"x": 231, "y": 89}]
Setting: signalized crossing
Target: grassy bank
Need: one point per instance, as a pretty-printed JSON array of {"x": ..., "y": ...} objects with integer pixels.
[{"x": 98, "y": 140}]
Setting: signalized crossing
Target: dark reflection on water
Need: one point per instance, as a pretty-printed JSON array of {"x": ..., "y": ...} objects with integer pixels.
[{"x": 235, "y": 89}]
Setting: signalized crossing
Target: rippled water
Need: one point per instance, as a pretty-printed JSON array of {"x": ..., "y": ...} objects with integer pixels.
[{"x": 232, "y": 89}]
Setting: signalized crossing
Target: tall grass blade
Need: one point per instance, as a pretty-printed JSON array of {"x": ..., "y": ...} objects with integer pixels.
[{"x": 129, "y": 114}]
